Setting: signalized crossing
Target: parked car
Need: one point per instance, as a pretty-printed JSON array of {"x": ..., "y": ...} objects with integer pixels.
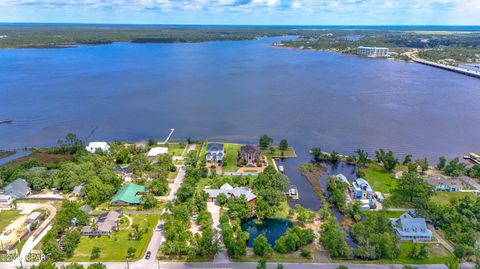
[
  {"x": 149, "y": 253},
  {"x": 378, "y": 196}
]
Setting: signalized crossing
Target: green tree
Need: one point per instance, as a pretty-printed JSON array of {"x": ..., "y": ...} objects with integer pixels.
[
  {"x": 222, "y": 199},
  {"x": 342, "y": 267},
  {"x": 362, "y": 157},
  {"x": 149, "y": 201},
  {"x": 97, "y": 266},
  {"x": 73, "y": 266},
  {"x": 442, "y": 162},
  {"x": 283, "y": 144},
  {"x": 334, "y": 157},
  {"x": 131, "y": 252},
  {"x": 453, "y": 263},
  {"x": 423, "y": 163},
  {"x": 265, "y": 141},
  {"x": 261, "y": 246},
  {"x": 407, "y": 160},
  {"x": 262, "y": 264},
  {"x": 413, "y": 188},
  {"x": 95, "y": 254},
  {"x": 279, "y": 266},
  {"x": 454, "y": 168}
]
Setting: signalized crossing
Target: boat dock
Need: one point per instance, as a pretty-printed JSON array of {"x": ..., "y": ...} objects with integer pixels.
[
  {"x": 293, "y": 192},
  {"x": 168, "y": 137}
]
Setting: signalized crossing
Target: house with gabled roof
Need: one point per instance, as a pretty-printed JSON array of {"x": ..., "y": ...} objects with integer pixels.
[
  {"x": 104, "y": 224},
  {"x": 215, "y": 152},
  {"x": 129, "y": 194},
  {"x": 441, "y": 183},
  {"x": 411, "y": 227},
  {"x": 18, "y": 189},
  {"x": 232, "y": 192}
]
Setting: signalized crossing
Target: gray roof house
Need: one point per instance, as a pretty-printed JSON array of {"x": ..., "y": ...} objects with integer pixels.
[
  {"x": 86, "y": 208},
  {"x": 18, "y": 189},
  {"x": 215, "y": 152},
  {"x": 232, "y": 192},
  {"x": 77, "y": 190},
  {"x": 106, "y": 223},
  {"x": 410, "y": 227},
  {"x": 441, "y": 183}
]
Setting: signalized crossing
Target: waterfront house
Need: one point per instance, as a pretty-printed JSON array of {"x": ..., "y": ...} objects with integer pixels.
[
  {"x": 215, "y": 153},
  {"x": 18, "y": 189},
  {"x": 129, "y": 194},
  {"x": 104, "y": 224},
  {"x": 154, "y": 152},
  {"x": 412, "y": 228},
  {"x": 250, "y": 154},
  {"x": 441, "y": 183},
  {"x": 232, "y": 192},
  {"x": 361, "y": 189},
  {"x": 99, "y": 145}
]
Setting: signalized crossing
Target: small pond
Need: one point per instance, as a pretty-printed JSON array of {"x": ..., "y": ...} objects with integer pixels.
[{"x": 272, "y": 229}]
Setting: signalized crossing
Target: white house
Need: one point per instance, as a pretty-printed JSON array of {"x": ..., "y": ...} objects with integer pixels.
[
  {"x": 94, "y": 146},
  {"x": 154, "y": 152}
]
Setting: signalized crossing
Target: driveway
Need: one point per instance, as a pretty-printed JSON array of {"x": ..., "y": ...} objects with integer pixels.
[
  {"x": 471, "y": 182},
  {"x": 157, "y": 237}
]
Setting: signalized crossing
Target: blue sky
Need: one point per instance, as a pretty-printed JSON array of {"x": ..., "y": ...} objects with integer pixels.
[{"x": 289, "y": 12}]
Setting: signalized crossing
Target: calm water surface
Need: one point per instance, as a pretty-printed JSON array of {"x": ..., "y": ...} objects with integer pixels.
[
  {"x": 272, "y": 229},
  {"x": 236, "y": 91}
]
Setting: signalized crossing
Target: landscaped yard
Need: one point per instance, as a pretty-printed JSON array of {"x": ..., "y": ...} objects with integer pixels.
[
  {"x": 277, "y": 153},
  {"x": 176, "y": 148},
  {"x": 231, "y": 151},
  {"x": 437, "y": 254},
  {"x": 444, "y": 197},
  {"x": 378, "y": 178},
  {"x": 7, "y": 217},
  {"x": 115, "y": 246}
]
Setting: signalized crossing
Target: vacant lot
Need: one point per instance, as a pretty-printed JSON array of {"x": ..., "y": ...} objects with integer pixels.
[
  {"x": 444, "y": 197},
  {"x": 115, "y": 246},
  {"x": 379, "y": 179},
  {"x": 7, "y": 217},
  {"x": 437, "y": 254}
]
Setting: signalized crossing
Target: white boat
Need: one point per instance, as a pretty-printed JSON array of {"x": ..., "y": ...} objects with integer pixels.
[{"x": 281, "y": 169}]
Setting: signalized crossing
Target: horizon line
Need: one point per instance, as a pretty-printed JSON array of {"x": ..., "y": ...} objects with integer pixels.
[{"x": 206, "y": 24}]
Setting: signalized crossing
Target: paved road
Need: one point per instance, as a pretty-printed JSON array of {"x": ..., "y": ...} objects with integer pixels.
[
  {"x": 157, "y": 237},
  {"x": 440, "y": 239},
  {"x": 471, "y": 182},
  {"x": 250, "y": 265},
  {"x": 38, "y": 234}
]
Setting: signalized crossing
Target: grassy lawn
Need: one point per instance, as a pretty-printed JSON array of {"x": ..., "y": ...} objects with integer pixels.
[
  {"x": 7, "y": 217},
  {"x": 231, "y": 151},
  {"x": 437, "y": 254},
  {"x": 203, "y": 183},
  {"x": 444, "y": 197},
  {"x": 172, "y": 175},
  {"x": 289, "y": 153},
  {"x": 388, "y": 214},
  {"x": 283, "y": 212},
  {"x": 278, "y": 257},
  {"x": 379, "y": 179},
  {"x": 176, "y": 148},
  {"x": 115, "y": 246}
]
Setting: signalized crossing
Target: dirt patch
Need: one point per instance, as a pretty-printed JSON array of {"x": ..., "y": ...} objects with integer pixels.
[{"x": 313, "y": 172}]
